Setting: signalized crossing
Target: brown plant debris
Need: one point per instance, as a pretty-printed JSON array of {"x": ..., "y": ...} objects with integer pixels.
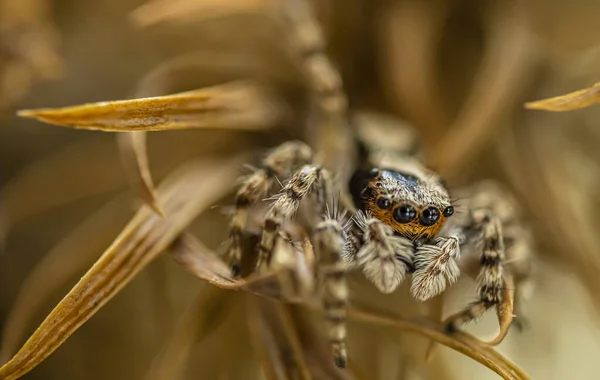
[
  {"x": 568, "y": 102},
  {"x": 234, "y": 105},
  {"x": 184, "y": 195}
]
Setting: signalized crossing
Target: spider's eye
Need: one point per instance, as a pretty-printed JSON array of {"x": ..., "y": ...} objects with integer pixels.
[
  {"x": 429, "y": 216},
  {"x": 448, "y": 211},
  {"x": 373, "y": 173},
  {"x": 404, "y": 214},
  {"x": 383, "y": 203}
]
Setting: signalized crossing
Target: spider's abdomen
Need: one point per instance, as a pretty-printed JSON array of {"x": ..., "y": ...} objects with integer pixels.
[{"x": 413, "y": 207}]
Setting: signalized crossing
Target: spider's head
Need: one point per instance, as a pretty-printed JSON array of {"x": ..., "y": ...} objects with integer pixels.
[{"x": 414, "y": 207}]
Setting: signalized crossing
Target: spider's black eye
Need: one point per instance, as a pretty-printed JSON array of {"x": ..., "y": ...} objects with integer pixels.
[
  {"x": 383, "y": 203},
  {"x": 373, "y": 173},
  {"x": 448, "y": 211},
  {"x": 404, "y": 214},
  {"x": 429, "y": 216}
]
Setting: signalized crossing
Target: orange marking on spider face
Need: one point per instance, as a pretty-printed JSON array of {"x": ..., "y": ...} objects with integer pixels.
[{"x": 413, "y": 229}]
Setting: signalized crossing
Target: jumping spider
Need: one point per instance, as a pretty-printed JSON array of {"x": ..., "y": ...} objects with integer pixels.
[{"x": 403, "y": 221}]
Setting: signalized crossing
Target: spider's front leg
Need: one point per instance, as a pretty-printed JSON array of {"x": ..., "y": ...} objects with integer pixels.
[
  {"x": 286, "y": 204},
  {"x": 279, "y": 163},
  {"x": 331, "y": 244}
]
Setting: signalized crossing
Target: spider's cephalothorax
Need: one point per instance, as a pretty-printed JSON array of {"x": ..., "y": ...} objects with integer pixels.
[{"x": 414, "y": 207}]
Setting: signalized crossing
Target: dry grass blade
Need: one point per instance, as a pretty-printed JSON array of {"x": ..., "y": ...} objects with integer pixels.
[
  {"x": 168, "y": 10},
  {"x": 135, "y": 160},
  {"x": 458, "y": 341},
  {"x": 184, "y": 195},
  {"x": 72, "y": 255},
  {"x": 191, "y": 329},
  {"x": 571, "y": 101},
  {"x": 234, "y": 105}
]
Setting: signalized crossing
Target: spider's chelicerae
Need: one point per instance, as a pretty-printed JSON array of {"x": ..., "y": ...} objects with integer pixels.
[{"x": 402, "y": 220}]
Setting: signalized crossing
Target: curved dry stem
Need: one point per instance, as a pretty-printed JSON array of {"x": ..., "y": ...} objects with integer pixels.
[
  {"x": 568, "y": 102},
  {"x": 458, "y": 341},
  {"x": 134, "y": 155},
  {"x": 505, "y": 69},
  {"x": 234, "y": 105},
  {"x": 184, "y": 195},
  {"x": 71, "y": 255},
  {"x": 191, "y": 329},
  {"x": 157, "y": 11}
]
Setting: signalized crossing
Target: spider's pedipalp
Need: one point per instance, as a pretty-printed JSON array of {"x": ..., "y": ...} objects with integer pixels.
[
  {"x": 436, "y": 267},
  {"x": 281, "y": 162},
  {"x": 385, "y": 258},
  {"x": 330, "y": 238}
]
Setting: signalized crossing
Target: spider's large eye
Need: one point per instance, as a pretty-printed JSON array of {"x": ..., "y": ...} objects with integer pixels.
[
  {"x": 448, "y": 211},
  {"x": 404, "y": 213},
  {"x": 429, "y": 216},
  {"x": 383, "y": 203}
]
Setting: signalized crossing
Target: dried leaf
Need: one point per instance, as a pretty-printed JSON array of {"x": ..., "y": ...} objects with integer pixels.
[
  {"x": 571, "y": 101},
  {"x": 458, "y": 341},
  {"x": 234, "y": 105},
  {"x": 168, "y": 10},
  {"x": 186, "y": 194},
  {"x": 70, "y": 256}
]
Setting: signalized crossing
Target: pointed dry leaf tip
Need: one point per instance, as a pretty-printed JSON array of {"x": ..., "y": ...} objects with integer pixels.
[
  {"x": 235, "y": 105},
  {"x": 184, "y": 196},
  {"x": 157, "y": 11},
  {"x": 571, "y": 101}
]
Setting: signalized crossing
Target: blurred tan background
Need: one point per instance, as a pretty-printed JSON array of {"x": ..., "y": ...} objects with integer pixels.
[{"x": 460, "y": 71}]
